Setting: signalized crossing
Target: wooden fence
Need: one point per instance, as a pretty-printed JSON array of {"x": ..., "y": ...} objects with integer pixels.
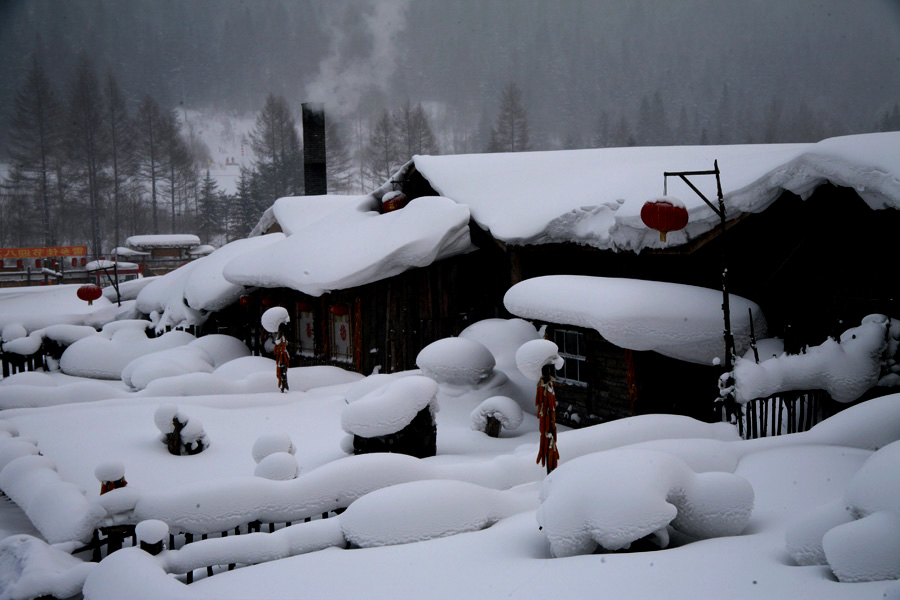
[
  {"x": 785, "y": 412},
  {"x": 107, "y": 540}
]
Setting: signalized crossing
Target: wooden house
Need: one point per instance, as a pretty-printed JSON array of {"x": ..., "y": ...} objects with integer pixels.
[{"x": 809, "y": 230}]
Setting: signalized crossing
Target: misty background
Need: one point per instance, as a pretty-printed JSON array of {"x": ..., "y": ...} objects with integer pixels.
[{"x": 587, "y": 73}]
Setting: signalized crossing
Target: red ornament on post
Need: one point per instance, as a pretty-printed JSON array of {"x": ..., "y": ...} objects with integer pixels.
[
  {"x": 89, "y": 293},
  {"x": 664, "y": 215}
]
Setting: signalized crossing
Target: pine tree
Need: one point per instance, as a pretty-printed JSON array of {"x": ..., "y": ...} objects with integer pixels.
[
  {"x": 88, "y": 142},
  {"x": 178, "y": 173},
  {"x": 209, "y": 209},
  {"x": 276, "y": 144},
  {"x": 381, "y": 157},
  {"x": 510, "y": 131},
  {"x": 35, "y": 140}
]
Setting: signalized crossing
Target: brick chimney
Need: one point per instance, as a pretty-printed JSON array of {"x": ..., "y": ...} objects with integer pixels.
[{"x": 315, "y": 180}]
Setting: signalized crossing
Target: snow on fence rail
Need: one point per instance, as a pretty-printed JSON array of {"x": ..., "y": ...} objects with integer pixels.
[{"x": 786, "y": 412}]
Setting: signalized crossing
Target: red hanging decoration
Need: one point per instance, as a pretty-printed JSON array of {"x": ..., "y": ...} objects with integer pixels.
[
  {"x": 664, "y": 216},
  {"x": 393, "y": 201},
  {"x": 548, "y": 454},
  {"x": 282, "y": 361},
  {"x": 89, "y": 293}
]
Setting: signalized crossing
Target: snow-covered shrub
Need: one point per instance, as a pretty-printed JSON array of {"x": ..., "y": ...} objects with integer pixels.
[
  {"x": 859, "y": 535},
  {"x": 278, "y": 466},
  {"x": 12, "y": 331},
  {"x": 31, "y": 568},
  {"x": 617, "y": 497},
  {"x": 845, "y": 369},
  {"x": 270, "y": 443},
  {"x": 274, "y": 318},
  {"x": 456, "y": 361},
  {"x": 221, "y": 348},
  {"x": 111, "y": 475},
  {"x": 532, "y": 356},
  {"x": 494, "y": 413},
  {"x": 398, "y": 417},
  {"x": 181, "y": 434}
]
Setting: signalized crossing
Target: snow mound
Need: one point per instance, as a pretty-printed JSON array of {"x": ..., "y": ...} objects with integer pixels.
[
  {"x": 532, "y": 356},
  {"x": 390, "y": 408},
  {"x": 372, "y": 383},
  {"x": 99, "y": 357},
  {"x": 457, "y": 361},
  {"x": 424, "y": 510},
  {"x": 109, "y": 471},
  {"x": 270, "y": 443},
  {"x": 166, "y": 363},
  {"x": 845, "y": 369},
  {"x": 32, "y": 378},
  {"x": 25, "y": 346},
  {"x": 221, "y": 348},
  {"x": 504, "y": 409},
  {"x": 240, "y": 368},
  {"x": 31, "y": 396},
  {"x": 12, "y": 331},
  {"x": 58, "y": 509},
  {"x": 274, "y": 318},
  {"x": 9, "y": 427},
  {"x": 278, "y": 466},
  {"x": 859, "y": 535},
  {"x": 676, "y": 320},
  {"x": 580, "y": 509},
  {"x": 29, "y": 568}
]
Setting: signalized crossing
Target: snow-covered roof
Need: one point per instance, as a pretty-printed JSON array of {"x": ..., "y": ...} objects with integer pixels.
[
  {"x": 97, "y": 265},
  {"x": 594, "y": 197},
  {"x": 201, "y": 250},
  {"x": 676, "y": 320},
  {"x": 339, "y": 242},
  {"x": 172, "y": 240},
  {"x": 123, "y": 251}
]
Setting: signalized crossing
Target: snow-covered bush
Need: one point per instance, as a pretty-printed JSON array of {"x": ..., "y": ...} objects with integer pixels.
[
  {"x": 278, "y": 466},
  {"x": 859, "y": 535},
  {"x": 494, "y": 413},
  {"x": 456, "y": 361},
  {"x": 532, "y": 356},
  {"x": 166, "y": 363},
  {"x": 12, "y": 331},
  {"x": 398, "y": 417},
  {"x": 270, "y": 443},
  {"x": 181, "y": 434},
  {"x": 274, "y": 318},
  {"x": 617, "y": 497},
  {"x": 845, "y": 369},
  {"x": 31, "y": 568}
]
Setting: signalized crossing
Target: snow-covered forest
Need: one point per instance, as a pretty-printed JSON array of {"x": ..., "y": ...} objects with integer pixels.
[{"x": 397, "y": 79}]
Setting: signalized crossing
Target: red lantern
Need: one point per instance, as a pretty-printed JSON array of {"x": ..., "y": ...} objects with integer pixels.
[
  {"x": 393, "y": 201},
  {"x": 303, "y": 306},
  {"x": 664, "y": 216},
  {"x": 245, "y": 301},
  {"x": 267, "y": 302},
  {"x": 89, "y": 293}
]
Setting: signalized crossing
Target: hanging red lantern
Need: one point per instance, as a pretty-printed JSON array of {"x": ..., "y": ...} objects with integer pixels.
[
  {"x": 303, "y": 306},
  {"x": 664, "y": 215},
  {"x": 245, "y": 301},
  {"x": 267, "y": 302},
  {"x": 89, "y": 293}
]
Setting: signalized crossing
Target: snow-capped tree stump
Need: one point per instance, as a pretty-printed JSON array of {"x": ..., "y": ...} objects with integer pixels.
[
  {"x": 181, "y": 435},
  {"x": 496, "y": 413}
]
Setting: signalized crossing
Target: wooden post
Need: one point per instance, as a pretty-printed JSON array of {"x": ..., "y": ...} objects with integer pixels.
[{"x": 492, "y": 428}]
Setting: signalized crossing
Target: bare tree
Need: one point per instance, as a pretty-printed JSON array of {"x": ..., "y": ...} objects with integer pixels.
[
  {"x": 34, "y": 139},
  {"x": 338, "y": 164},
  {"x": 276, "y": 144},
  {"x": 413, "y": 130},
  {"x": 120, "y": 140},
  {"x": 148, "y": 149},
  {"x": 381, "y": 157},
  {"x": 510, "y": 131},
  {"x": 88, "y": 142}
]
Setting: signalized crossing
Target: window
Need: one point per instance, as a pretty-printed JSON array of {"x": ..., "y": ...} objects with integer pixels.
[
  {"x": 341, "y": 333},
  {"x": 571, "y": 349}
]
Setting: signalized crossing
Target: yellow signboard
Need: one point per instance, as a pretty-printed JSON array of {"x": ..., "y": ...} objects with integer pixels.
[{"x": 43, "y": 252}]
